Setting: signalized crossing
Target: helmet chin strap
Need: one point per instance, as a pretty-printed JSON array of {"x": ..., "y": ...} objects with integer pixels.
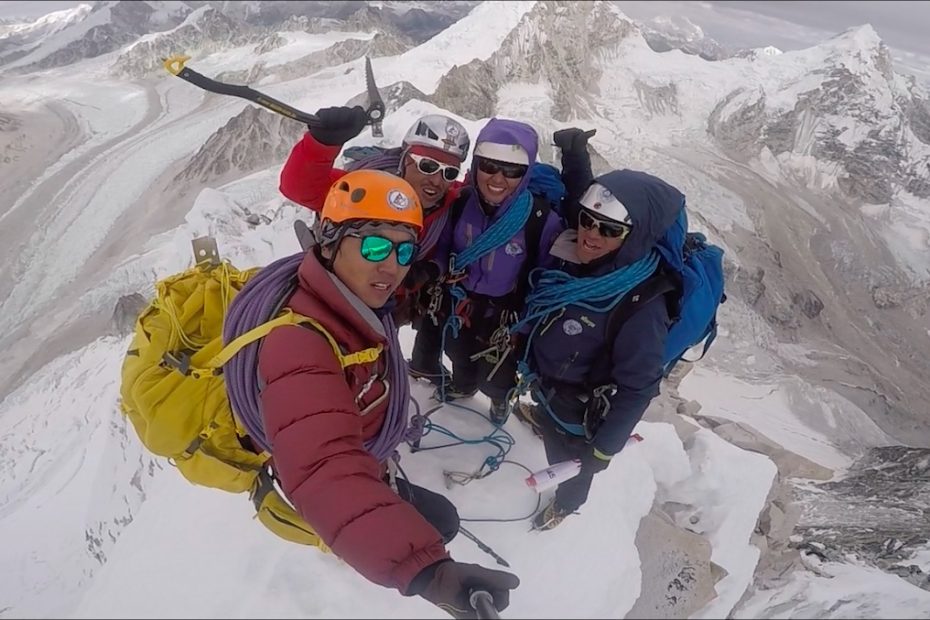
[{"x": 402, "y": 166}]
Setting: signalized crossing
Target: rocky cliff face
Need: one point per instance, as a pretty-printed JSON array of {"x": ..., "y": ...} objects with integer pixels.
[
  {"x": 877, "y": 512},
  {"x": 253, "y": 139},
  {"x": 336, "y": 54},
  {"x": 204, "y": 31}
]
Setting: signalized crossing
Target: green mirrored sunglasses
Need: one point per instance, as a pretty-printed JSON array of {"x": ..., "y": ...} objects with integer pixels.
[{"x": 376, "y": 248}]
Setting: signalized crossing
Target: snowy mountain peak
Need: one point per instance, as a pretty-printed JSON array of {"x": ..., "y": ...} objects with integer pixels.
[
  {"x": 839, "y": 113},
  {"x": 861, "y": 51},
  {"x": 863, "y": 37},
  {"x": 559, "y": 47},
  {"x": 52, "y": 21}
]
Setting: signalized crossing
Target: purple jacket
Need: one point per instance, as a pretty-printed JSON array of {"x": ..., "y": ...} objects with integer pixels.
[{"x": 496, "y": 274}]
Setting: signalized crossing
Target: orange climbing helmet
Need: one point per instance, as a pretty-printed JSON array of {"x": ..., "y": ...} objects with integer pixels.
[{"x": 372, "y": 195}]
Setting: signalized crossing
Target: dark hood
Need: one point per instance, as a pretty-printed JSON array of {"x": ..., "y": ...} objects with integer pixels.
[{"x": 654, "y": 206}]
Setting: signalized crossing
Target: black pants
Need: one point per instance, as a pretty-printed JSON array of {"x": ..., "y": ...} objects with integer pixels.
[
  {"x": 563, "y": 446},
  {"x": 468, "y": 375},
  {"x": 427, "y": 348},
  {"x": 435, "y": 508}
]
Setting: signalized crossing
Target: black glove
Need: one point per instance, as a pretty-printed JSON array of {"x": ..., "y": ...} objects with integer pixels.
[
  {"x": 452, "y": 583},
  {"x": 421, "y": 273},
  {"x": 338, "y": 125},
  {"x": 572, "y": 140},
  {"x": 594, "y": 461}
]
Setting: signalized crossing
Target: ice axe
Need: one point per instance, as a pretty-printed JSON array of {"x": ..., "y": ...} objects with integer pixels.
[
  {"x": 483, "y": 604},
  {"x": 483, "y": 546},
  {"x": 176, "y": 66}
]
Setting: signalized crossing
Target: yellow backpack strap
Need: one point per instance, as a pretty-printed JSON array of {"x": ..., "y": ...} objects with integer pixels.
[
  {"x": 288, "y": 317},
  {"x": 365, "y": 356}
]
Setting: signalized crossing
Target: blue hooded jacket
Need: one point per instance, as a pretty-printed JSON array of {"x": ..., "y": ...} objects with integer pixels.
[
  {"x": 571, "y": 354},
  {"x": 496, "y": 274}
]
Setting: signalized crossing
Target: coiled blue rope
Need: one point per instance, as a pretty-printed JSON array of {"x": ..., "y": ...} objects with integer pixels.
[
  {"x": 552, "y": 289},
  {"x": 499, "y": 233}
]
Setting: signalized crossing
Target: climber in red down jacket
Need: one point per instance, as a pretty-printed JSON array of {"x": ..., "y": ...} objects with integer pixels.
[
  {"x": 429, "y": 158},
  {"x": 334, "y": 424}
]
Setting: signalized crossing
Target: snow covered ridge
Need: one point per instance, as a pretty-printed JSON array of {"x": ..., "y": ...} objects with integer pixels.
[{"x": 65, "y": 37}]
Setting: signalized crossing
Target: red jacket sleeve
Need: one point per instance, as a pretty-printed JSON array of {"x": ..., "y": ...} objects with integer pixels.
[
  {"x": 315, "y": 432},
  {"x": 308, "y": 172}
]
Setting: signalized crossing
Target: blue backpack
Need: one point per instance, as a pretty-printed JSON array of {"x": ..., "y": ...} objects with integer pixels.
[
  {"x": 546, "y": 180},
  {"x": 699, "y": 267}
]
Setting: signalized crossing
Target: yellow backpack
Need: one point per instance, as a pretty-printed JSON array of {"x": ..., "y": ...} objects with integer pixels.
[{"x": 174, "y": 394}]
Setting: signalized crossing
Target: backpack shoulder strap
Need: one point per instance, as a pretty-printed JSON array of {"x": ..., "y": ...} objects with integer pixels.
[
  {"x": 532, "y": 235},
  {"x": 659, "y": 284},
  {"x": 289, "y": 317}
]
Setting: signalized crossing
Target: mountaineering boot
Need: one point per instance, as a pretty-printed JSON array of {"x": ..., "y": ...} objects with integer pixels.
[
  {"x": 526, "y": 413},
  {"x": 499, "y": 411},
  {"x": 451, "y": 393},
  {"x": 434, "y": 377},
  {"x": 550, "y": 517}
]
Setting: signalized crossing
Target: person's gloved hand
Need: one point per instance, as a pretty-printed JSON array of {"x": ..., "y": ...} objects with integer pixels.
[
  {"x": 572, "y": 139},
  {"x": 453, "y": 582},
  {"x": 421, "y": 273},
  {"x": 594, "y": 461},
  {"x": 338, "y": 125}
]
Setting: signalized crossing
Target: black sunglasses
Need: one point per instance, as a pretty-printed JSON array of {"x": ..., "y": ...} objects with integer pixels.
[
  {"x": 604, "y": 228},
  {"x": 492, "y": 166},
  {"x": 430, "y": 167}
]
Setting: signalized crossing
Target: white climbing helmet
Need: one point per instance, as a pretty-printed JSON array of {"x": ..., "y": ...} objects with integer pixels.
[
  {"x": 600, "y": 200},
  {"x": 439, "y": 132}
]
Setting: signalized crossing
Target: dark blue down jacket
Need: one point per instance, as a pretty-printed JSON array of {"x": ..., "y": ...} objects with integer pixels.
[{"x": 572, "y": 355}]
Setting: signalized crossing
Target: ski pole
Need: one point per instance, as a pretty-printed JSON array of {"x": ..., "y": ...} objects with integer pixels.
[
  {"x": 483, "y": 604},
  {"x": 483, "y": 547}
]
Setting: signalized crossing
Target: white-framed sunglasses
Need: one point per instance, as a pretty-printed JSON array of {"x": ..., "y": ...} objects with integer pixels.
[{"x": 429, "y": 167}]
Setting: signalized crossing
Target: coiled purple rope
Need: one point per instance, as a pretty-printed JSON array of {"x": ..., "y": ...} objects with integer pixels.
[
  {"x": 394, "y": 429},
  {"x": 257, "y": 303},
  {"x": 389, "y": 161}
]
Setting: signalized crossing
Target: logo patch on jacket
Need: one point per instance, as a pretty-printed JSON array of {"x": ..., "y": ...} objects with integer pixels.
[
  {"x": 572, "y": 327},
  {"x": 513, "y": 249}
]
